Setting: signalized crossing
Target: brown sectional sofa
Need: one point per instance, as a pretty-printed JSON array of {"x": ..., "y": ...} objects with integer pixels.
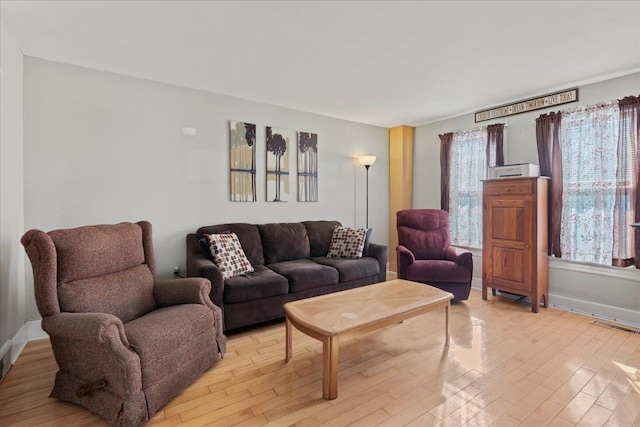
[{"x": 290, "y": 263}]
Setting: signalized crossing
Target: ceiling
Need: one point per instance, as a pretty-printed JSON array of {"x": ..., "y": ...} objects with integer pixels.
[{"x": 383, "y": 63}]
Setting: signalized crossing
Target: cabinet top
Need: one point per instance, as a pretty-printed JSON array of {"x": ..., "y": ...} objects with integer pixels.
[{"x": 514, "y": 178}]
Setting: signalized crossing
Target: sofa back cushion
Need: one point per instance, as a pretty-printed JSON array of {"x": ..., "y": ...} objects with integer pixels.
[
  {"x": 284, "y": 241},
  {"x": 248, "y": 235},
  {"x": 320, "y": 233}
]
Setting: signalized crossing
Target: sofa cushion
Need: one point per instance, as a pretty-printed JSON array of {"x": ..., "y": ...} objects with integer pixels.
[
  {"x": 228, "y": 255},
  {"x": 351, "y": 269},
  {"x": 437, "y": 271},
  {"x": 284, "y": 242},
  {"x": 320, "y": 233},
  {"x": 261, "y": 283},
  {"x": 157, "y": 336},
  {"x": 248, "y": 235},
  {"x": 305, "y": 274},
  {"x": 347, "y": 242}
]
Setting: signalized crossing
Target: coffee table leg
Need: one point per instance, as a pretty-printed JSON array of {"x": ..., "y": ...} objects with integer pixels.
[
  {"x": 287, "y": 323},
  {"x": 447, "y": 309},
  {"x": 330, "y": 367}
]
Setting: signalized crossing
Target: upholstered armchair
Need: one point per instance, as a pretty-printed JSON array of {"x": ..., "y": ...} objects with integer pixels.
[
  {"x": 125, "y": 343},
  {"x": 425, "y": 254}
]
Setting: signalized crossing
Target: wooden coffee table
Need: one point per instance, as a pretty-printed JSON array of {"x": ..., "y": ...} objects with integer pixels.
[{"x": 329, "y": 318}]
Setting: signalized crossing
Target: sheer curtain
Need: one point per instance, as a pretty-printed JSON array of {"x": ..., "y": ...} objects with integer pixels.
[
  {"x": 467, "y": 166},
  {"x": 589, "y": 145}
]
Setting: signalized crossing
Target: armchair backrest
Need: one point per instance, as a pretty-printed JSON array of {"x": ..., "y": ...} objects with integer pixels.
[
  {"x": 99, "y": 268},
  {"x": 425, "y": 232}
]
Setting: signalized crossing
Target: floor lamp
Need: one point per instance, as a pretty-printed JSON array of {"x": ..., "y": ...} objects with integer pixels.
[{"x": 367, "y": 161}]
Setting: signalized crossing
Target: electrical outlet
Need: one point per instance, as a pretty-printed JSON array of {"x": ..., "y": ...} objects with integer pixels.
[{"x": 176, "y": 270}]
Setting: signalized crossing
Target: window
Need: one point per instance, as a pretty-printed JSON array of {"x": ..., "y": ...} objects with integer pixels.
[
  {"x": 591, "y": 154},
  {"x": 468, "y": 166}
]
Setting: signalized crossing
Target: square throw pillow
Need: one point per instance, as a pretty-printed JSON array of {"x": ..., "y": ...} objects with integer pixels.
[
  {"x": 347, "y": 242},
  {"x": 228, "y": 254},
  {"x": 206, "y": 249}
]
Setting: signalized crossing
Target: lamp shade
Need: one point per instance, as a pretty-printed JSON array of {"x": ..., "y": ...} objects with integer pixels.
[{"x": 367, "y": 160}]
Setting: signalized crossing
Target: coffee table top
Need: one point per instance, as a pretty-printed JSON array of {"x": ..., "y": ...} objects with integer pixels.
[{"x": 340, "y": 312}]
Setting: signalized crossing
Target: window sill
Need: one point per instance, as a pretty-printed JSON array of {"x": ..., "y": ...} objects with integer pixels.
[{"x": 625, "y": 273}]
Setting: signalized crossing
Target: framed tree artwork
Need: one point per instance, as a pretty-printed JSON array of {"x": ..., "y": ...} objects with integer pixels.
[
  {"x": 307, "y": 167},
  {"x": 277, "y": 165},
  {"x": 242, "y": 161}
]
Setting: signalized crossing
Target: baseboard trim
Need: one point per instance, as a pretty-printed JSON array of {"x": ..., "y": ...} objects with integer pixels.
[
  {"x": 587, "y": 308},
  {"x": 594, "y": 309},
  {"x": 12, "y": 349}
]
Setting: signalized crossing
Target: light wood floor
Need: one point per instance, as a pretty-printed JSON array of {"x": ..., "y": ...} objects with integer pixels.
[{"x": 506, "y": 366}]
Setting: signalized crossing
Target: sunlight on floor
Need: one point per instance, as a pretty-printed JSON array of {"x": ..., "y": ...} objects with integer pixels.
[
  {"x": 471, "y": 357},
  {"x": 633, "y": 375}
]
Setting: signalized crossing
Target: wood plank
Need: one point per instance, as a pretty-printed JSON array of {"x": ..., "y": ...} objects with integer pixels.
[{"x": 504, "y": 366}]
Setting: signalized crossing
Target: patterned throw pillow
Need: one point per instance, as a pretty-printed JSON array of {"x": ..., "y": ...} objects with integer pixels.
[
  {"x": 228, "y": 254},
  {"x": 347, "y": 242}
]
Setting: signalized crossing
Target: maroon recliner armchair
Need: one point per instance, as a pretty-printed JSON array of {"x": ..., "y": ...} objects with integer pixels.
[
  {"x": 125, "y": 342},
  {"x": 425, "y": 253}
]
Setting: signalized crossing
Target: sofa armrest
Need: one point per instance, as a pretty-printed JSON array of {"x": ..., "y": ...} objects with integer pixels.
[
  {"x": 191, "y": 290},
  {"x": 200, "y": 266},
  {"x": 405, "y": 259},
  {"x": 381, "y": 254},
  {"x": 460, "y": 256},
  {"x": 90, "y": 327}
]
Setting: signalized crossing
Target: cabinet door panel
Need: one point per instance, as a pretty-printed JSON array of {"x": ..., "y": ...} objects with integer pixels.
[
  {"x": 509, "y": 265},
  {"x": 508, "y": 233}
]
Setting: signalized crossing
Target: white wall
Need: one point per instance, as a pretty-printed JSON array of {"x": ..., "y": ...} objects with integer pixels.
[
  {"x": 603, "y": 291},
  {"x": 102, "y": 148},
  {"x": 12, "y": 287}
]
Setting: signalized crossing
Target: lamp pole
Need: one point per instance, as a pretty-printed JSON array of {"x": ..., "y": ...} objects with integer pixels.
[
  {"x": 367, "y": 168},
  {"x": 367, "y": 161}
]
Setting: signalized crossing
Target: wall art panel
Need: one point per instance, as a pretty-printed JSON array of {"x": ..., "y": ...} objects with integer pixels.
[
  {"x": 277, "y": 165},
  {"x": 307, "y": 167},
  {"x": 242, "y": 161}
]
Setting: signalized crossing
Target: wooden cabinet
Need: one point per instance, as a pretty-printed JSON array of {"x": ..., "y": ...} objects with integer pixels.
[{"x": 514, "y": 247}]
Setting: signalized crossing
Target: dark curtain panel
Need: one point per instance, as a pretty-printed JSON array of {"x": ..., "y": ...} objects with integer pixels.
[
  {"x": 627, "y": 207},
  {"x": 549, "y": 156},
  {"x": 445, "y": 154},
  {"x": 495, "y": 145}
]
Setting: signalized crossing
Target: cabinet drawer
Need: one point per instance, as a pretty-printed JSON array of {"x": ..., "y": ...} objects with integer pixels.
[{"x": 524, "y": 186}]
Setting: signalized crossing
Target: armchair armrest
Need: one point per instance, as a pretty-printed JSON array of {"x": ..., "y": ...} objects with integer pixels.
[
  {"x": 96, "y": 328},
  {"x": 405, "y": 259},
  {"x": 93, "y": 353},
  {"x": 191, "y": 290},
  {"x": 460, "y": 256},
  {"x": 380, "y": 253}
]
